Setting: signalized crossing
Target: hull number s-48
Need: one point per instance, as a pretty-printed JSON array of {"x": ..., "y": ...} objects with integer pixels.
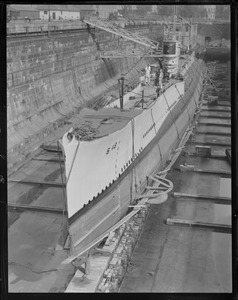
[{"x": 111, "y": 148}]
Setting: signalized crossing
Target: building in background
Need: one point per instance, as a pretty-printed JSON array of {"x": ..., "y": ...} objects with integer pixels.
[
  {"x": 154, "y": 9},
  {"x": 103, "y": 11},
  {"x": 20, "y": 12},
  {"x": 211, "y": 11},
  {"x": 65, "y": 12}
]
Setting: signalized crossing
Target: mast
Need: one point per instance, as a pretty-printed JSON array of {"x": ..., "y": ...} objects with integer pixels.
[
  {"x": 121, "y": 91},
  {"x": 175, "y": 8}
]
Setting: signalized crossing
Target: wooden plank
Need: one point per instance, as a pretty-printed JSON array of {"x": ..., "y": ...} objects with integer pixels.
[
  {"x": 211, "y": 226},
  {"x": 57, "y": 160},
  {"x": 212, "y": 143},
  {"x": 51, "y": 148},
  {"x": 213, "y": 124},
  {"x": 228, "y": 155},
  {"x": 41, "y": 182},
  {"x": 216, "y": 199},
  {"x": 212, "y": 172},
  {"x": 36, "y": 208},
  {"x": 213, "y": 156},
  {"x": 213, "y": 133},
  {"x": 214, "y": 116}
]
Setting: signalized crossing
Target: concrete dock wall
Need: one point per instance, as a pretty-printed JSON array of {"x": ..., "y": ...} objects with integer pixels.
[
  {"x": 50, "y": 77},
  {"x": 215, "y": 32}
]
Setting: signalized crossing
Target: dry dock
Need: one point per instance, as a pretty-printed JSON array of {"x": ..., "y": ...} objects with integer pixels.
[
  {"x": 186, "y": 242},
  {"x": 183, "y": 245}
]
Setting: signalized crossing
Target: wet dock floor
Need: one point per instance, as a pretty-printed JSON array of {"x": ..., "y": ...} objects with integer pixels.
[
  {"x": 172, "y": 255},
  {"x": 183, "y": 259}
]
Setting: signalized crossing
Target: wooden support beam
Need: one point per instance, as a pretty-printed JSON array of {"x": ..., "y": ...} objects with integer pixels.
[
  {"x": 216, "y": 199},
  {"x": 35, "y": 208},
  {"x": 57, "y": 160},
  {"x": 214, "y": 117},
  {"x": 212, "y": 143},
  {"x": 216, "y": 110},
  {"x": 213, "y": 124},
  {"x": 41, "y": 182},
  {"x": 228, "y": 155},
  {"x": 51, "y": 148},
  {"x": 212, "y": 172},
  {"x": 213, "y": 132},
  {"x": 223, "y": 103},
  {"x": 213, "y": 156},
  {"x": 211, "y": 226}
]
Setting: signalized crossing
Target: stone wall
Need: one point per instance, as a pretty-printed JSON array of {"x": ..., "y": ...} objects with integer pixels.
[{"x": 216, "y": 31}]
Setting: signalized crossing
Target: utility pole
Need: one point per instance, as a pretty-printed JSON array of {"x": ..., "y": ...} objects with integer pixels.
[{"x": 121, "y": 90}]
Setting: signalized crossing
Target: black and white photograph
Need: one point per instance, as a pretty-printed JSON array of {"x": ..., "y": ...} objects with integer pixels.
[{"x": 119, "y": 148}]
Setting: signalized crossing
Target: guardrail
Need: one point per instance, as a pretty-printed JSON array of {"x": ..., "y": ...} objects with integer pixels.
[{"x": 40, "y": 26}]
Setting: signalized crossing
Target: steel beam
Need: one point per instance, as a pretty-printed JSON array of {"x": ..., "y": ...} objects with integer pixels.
[{"x": 123, "y": 33}]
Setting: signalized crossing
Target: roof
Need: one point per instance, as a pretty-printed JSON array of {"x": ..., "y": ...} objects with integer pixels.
[
  {"x": 64, "y": 8},
  {"x": 22, "y": 8}
]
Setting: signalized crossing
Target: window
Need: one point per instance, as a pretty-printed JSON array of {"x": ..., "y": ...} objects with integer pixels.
[{"x": 45, "y": 12}]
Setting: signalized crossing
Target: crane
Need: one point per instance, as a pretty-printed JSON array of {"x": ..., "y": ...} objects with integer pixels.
[{"x": 156, "y": 50}]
